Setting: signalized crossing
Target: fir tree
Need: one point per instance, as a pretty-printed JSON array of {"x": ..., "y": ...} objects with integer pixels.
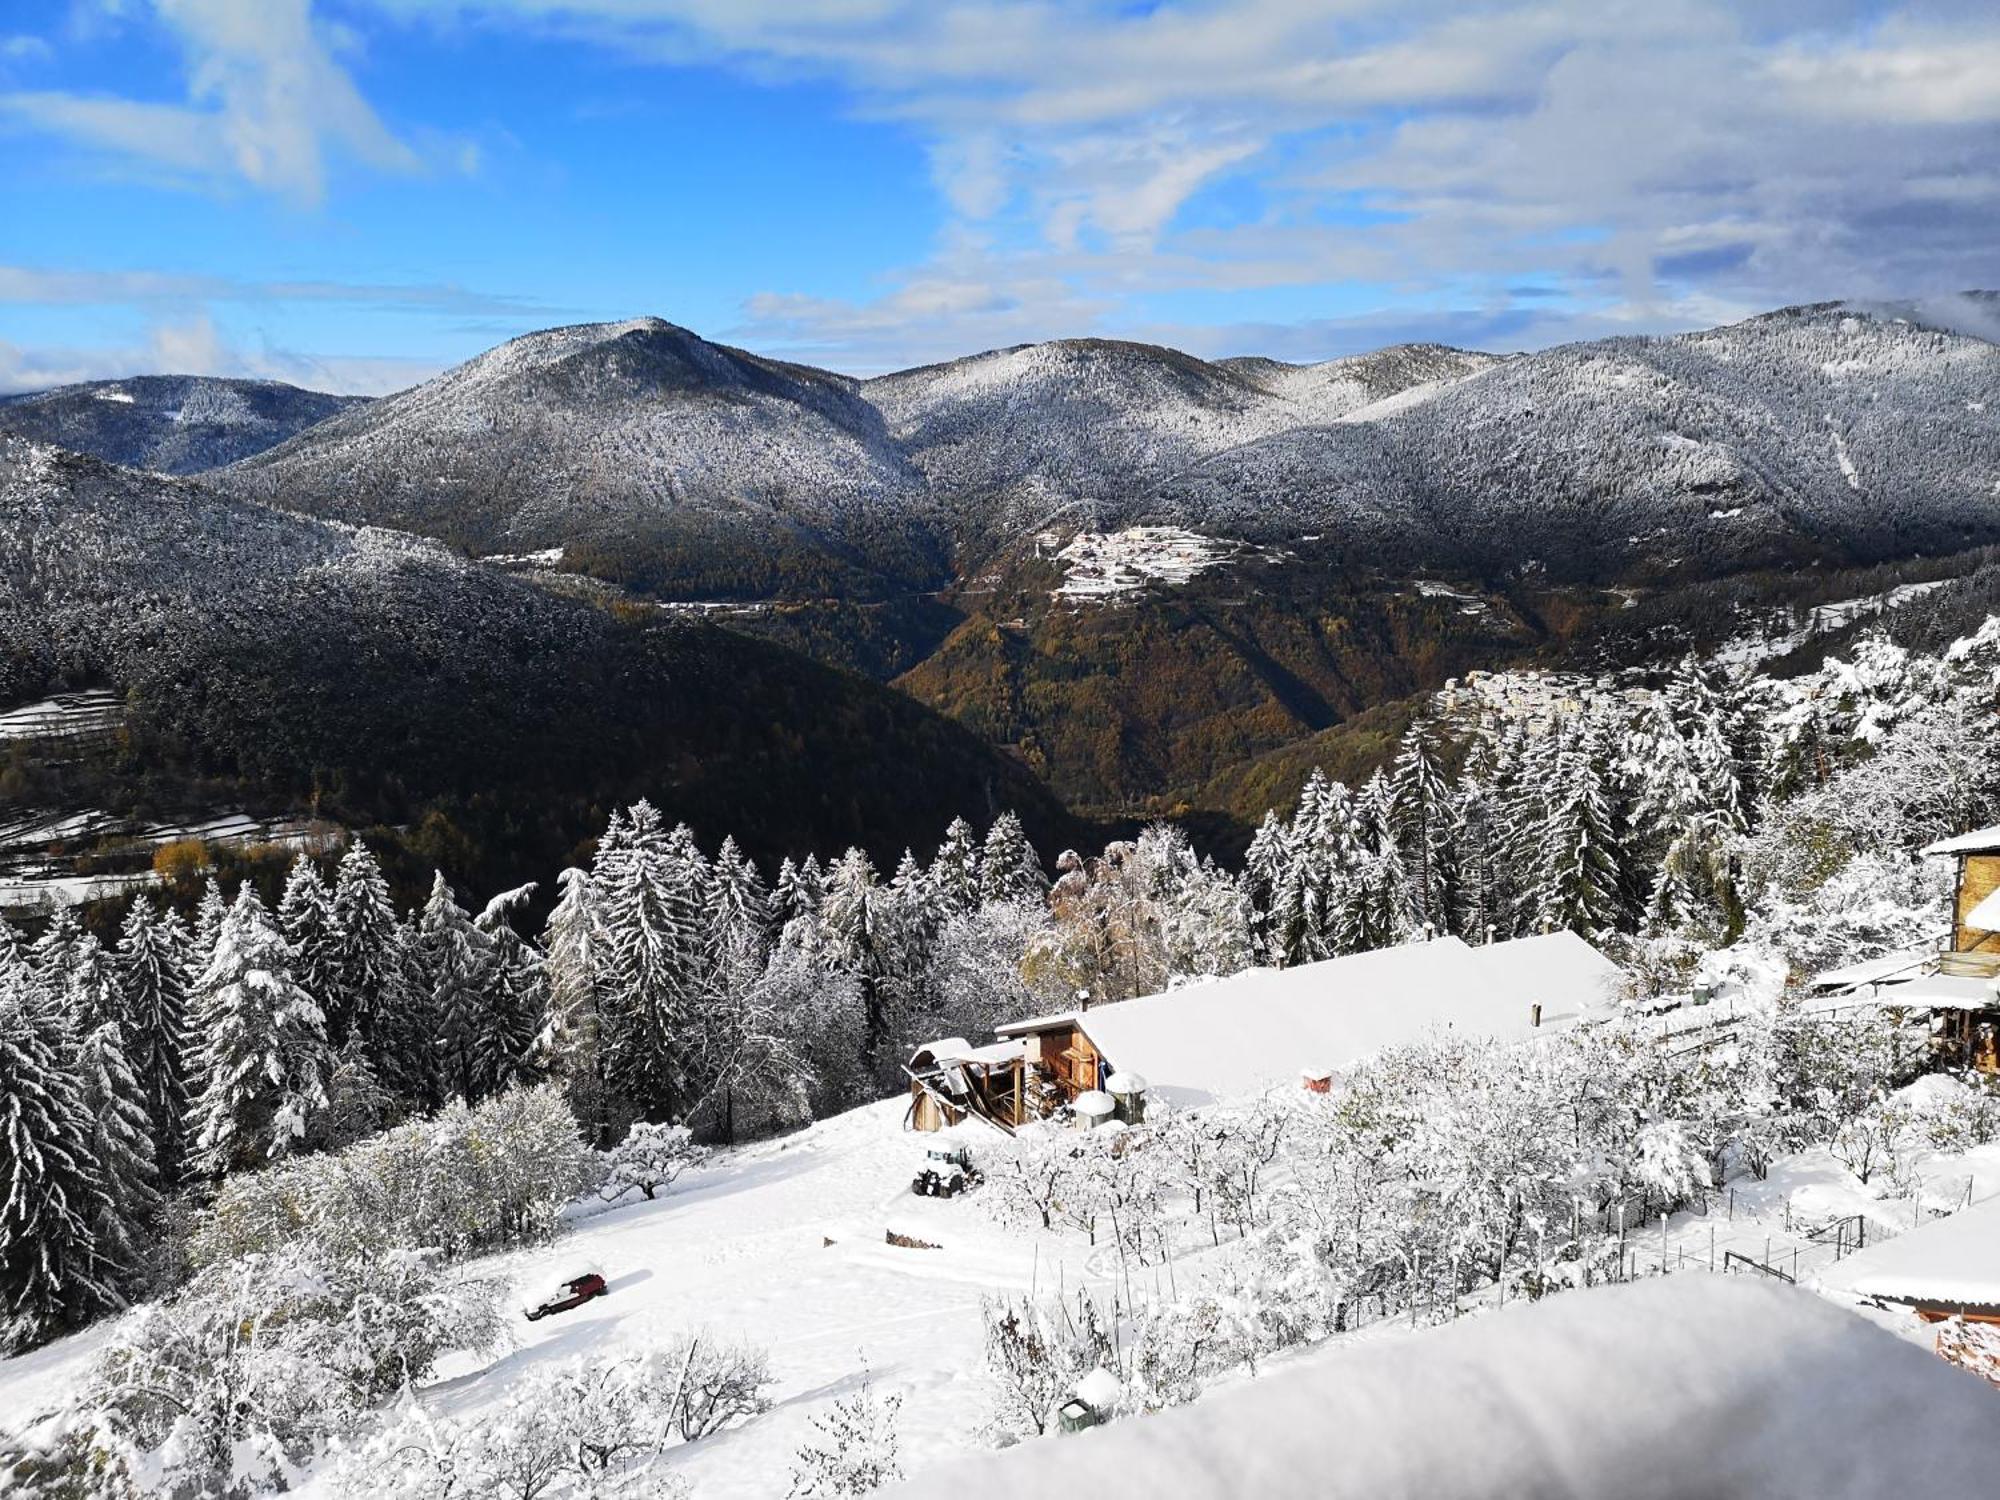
[
  {"x": 1420, "y": 821},
  {"x": 517, "y": 999},
  {"x": 52, "y": 1275},
  {"x": 152, "y": 969},
  {"x": 1009, "y": 868},
  {"x": 263, "y": 1045},
  {"x": 121, "y": 1145},
  {"x": 459, "y": 971},
  {"x": 364, "y": 974},
  {"x": 658, "y": 963},
  {"x": 92, "y": 995},
  {"x": 572, "y": 1043},
  {"x": 1578, "y": 867},
  {"x": 305, "y": 917},
  {"x": 955, "y": 869},
  {"x": 357, "y": 1104}
]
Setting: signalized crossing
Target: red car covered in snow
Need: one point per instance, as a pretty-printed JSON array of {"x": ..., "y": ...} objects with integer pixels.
[{"x": 567, "y": 1294}]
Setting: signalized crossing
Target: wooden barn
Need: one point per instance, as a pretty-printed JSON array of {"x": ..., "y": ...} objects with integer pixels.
[{"x": 950, "y": 1079}]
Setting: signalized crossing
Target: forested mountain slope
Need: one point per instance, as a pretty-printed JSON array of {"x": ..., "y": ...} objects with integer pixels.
[
  {"x": 178, "y": 424},
  {"x": 385, "y": 680},
  {"x": 1139, "y": 569}
]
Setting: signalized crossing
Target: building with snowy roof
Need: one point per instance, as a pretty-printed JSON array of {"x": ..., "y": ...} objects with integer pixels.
[
  {"x": 1958, "y": 987},
  {"x": 1949, "y": 1268},
  {"x": 1223, "y": 1038}
]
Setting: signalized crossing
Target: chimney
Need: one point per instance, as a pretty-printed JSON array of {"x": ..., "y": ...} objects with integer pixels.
[{"x": 1535, "y": 1015}]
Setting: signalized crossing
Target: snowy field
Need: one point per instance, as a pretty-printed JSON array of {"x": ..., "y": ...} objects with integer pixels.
[
  {"x": 1103, "y": 565},
  {"x": 785, "y": 1244},
  {"x": 67, "y": 715}
]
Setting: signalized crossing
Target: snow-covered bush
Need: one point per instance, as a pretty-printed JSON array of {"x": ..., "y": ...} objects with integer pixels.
[
  {"x": 232, "y": 1382},
  {"x": 465, "y": 1180},
  {"x": 649, "y": 1158},
  {"x": 592, "y": 1428},
  {"x": 854, "y": 1449},
  {"x": 1036, "y": 1349}
]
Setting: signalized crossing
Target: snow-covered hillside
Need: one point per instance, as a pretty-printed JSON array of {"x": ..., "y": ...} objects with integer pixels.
[{"x": 178, "y": 424}]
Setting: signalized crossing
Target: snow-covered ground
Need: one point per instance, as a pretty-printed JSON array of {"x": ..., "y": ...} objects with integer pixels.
[
  {"x": 96, "y": 711},
  {"x": 785, "y": 1244},
  {"x": 1102, "y": 565},
  {"x": 1753, "y": 647}
]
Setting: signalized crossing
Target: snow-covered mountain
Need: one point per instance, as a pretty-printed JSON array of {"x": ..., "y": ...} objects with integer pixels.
[
  {"x": 1825, "y": 431},
  {"x": 634, "y": 433},
  {"x": 177, "y": 424}
]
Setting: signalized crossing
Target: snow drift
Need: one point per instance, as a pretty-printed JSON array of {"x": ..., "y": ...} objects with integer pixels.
[{"x": 1693, "y": 1385}]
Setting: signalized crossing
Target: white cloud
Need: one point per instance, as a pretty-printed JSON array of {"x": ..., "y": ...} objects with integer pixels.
[
  {"x": 1638, "y": 160},
  {"x": 194, "y": 346},
  {"x": 267, "y": 104}
]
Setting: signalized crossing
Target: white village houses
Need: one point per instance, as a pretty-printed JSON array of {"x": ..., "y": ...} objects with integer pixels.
[{"x": 1221, "y": 1038}]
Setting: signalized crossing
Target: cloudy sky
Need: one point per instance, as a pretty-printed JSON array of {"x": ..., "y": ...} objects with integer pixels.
[{"x": 354, "y": 193}]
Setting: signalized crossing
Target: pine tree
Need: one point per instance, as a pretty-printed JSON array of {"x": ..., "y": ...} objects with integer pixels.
[
  {"x": 364, "y": 972},
  {"x": 459, "y": 972},
  {"x": 121, "y": 1144},
  {"x": 517, "y": 1001},
  {"x": 306, "y": 918},
  {"x": 263, "y": 1045},
  {"x": 52, "y": 1276},
  {"x": 1009, "y": 868},
  {"x": 152, "y": 966},
  {"x": 572, "y": 1044}
]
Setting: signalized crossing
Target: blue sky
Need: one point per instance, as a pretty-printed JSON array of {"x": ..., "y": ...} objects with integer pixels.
[{"x": 356, "y": 193}]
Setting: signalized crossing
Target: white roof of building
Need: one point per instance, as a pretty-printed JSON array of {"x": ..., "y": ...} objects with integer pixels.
[
  {"x": 1889, "y": 967},
  {"x": 1979, "y": 841},
  {"x": 1954, "y": 1261},
  {"x": 1235, "y": 1036}
]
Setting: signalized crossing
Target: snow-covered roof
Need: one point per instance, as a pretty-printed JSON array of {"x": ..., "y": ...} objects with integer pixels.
[
  {"x": 1979, "y": 841},
  {"x": 1672, "y": 1386},
  {"x": 1532, "y": 970},
  {"x": 1905, "y": 964},
  {"x": 992, "y": 1052},
  {"x": 1235, "y": 1036},
  {"x": 1953, "y": 1261}
]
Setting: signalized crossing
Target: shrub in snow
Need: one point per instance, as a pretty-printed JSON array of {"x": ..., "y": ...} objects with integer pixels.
[
  {"x": 234, "y": 1381},
  {"x": 649, "y": 1158},
  {"x": 466, "y": 1180},
  {"x": 1036, "y": 1349},
  {"x": 854, "y": 1448},
  {"x": 587, "y": 1428}
]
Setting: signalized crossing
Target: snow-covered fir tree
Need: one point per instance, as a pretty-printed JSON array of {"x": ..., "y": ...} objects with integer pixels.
[
  {"x": 120, "y": 1144},
  {"x": 152, "y": 960},
  {"x": 53, "y": 1273},
  {"x": 263, "y": 1050}
]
